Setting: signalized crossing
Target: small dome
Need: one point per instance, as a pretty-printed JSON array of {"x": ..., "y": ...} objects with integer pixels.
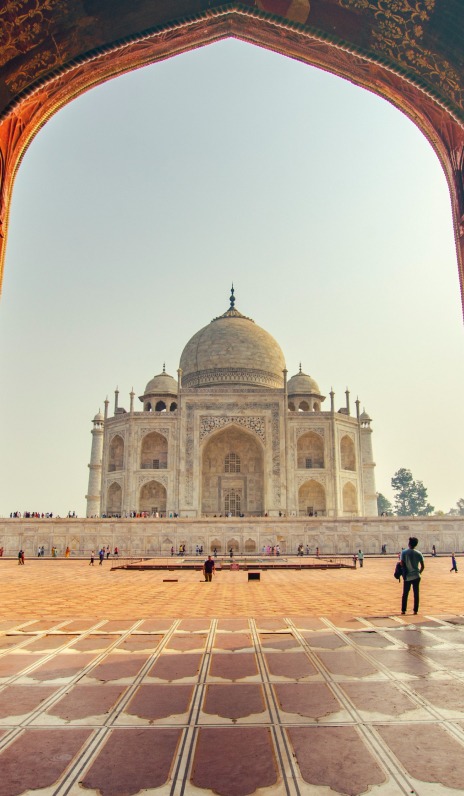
[
  {"x": 232, "y": 350},
  {"x": 162, "y": 384},
  {"x": 98, "y": 418},
  {"x": 365, "y": 417},
  {"x": 302, "y": 384}
]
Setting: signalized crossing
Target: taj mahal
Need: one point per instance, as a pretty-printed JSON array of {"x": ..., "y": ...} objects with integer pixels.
[
  {"x": 231, "y": 455},
  {"x": 232, "y": 437}
]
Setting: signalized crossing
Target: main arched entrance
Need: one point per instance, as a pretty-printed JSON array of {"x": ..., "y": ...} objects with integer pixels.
[{"x": 232, "y": 474}]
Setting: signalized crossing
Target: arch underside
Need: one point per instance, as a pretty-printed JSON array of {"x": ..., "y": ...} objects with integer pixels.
[{"x": 411, "y": 56}]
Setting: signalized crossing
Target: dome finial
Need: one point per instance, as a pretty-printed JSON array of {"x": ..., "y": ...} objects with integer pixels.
[
  {"x": 232, "y": 297},
  {"x": 164, "y": 367},
  {"x": 300, "y": 368}
]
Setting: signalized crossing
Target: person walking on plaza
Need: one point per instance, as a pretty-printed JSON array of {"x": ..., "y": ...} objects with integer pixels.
[
  {"x": 92, "y": 558},
  {"x": 360, "y": 558},
  {"x": 101, "y": 556},
  {"x": 209, "y": 569},
  {"x": 454, "y": 566},
  {"x": 412, "y": 562}
]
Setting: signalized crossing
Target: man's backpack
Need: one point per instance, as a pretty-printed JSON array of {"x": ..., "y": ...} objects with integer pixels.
[{"x": 398, "y": 573}]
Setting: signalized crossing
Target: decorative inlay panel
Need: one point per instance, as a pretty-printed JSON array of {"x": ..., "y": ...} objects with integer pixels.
[
  {"x": 145, "y": 479},
  {"x": 320, "y": 479},
  {"x": 305, "y": 429},
  {"x": 212, "y": 423}
]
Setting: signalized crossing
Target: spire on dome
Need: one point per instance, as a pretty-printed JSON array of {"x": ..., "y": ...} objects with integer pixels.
[
  {"x": 232, "y": 312},
  {"x": 164, "y": 367},
  {"x": 300, "y": 371}
]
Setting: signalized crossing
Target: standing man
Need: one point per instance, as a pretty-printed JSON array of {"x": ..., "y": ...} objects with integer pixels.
[
  {"x": 208, "y": 569},
  {"x": 360, "y": 557},
  {"x": 412, "y": 561}
]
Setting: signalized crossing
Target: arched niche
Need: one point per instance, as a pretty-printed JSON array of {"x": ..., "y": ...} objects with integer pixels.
[
  {"x": 311, "y": 499},
  {"x": 310, "y": 451},
  {"x": 160, "y": 406},
  {"x": 116, "y": 454},
  {"x": 154, "y": 452},
  {"x": 350, "y": 499},
  {"x": 423, "y": 77},
  {"x": 152, "y": 498},
  {"x": 234, "y": 545},
  {"x": 347, "y": 453},
  {"x": 114, "y": 499},
  {"x": 250, "y": 546},
  {"x": 224, "y": 490},
  {"x": 303, "y": 406}
]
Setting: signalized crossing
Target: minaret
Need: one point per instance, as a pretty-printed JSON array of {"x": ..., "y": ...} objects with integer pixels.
[
  {"x": 95, "y": 467},
  {"x": 368, "y": 466}
]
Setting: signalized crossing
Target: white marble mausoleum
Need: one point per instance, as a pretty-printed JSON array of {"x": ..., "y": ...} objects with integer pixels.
[{"x": 232, "y": 437}]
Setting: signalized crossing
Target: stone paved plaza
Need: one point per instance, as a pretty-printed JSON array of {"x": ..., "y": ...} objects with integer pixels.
[{"x": 305, "y": 682}]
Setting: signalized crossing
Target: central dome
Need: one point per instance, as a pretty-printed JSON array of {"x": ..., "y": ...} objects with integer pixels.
[{"x": 232, "y": 350}]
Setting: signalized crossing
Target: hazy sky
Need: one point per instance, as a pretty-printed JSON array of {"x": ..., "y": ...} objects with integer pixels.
[{"x": 139, "y": 203}]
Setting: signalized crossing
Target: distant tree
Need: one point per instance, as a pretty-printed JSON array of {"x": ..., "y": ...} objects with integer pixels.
[
  {"x": 383, "y": 505},
  {"x": 410, "y": 495},
  {"x": 459, "y": 511}
]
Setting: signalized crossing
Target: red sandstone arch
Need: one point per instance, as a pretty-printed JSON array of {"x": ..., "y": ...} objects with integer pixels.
[{"x": 411, "y": 55}]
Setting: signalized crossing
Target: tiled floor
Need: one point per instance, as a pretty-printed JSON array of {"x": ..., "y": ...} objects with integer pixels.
[{"x": 315, "y": 702}]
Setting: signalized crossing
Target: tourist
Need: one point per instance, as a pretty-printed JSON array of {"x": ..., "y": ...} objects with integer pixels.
[
  {"x": 317, "y": 552},
  {"x": 215, "y": 552},
  {"x": 67, "y": 552},
  {"x": 231, "y": 553},
  {"x": 101, "y": 556},
  {"x": 172, "y": 551},
  {"x": 360, "y": 558},
  {"x": 92, "y": 558},
  {"x": 209, "y": 569},
  {"x": 20, "y": 557},
  {"x": 454, "y": 566},
  {"x": 39, "y": 552},
  {"x": 108, "y": 552},
  {"x": 413, "y": 566},
  {"x": 116, "y": 552}
]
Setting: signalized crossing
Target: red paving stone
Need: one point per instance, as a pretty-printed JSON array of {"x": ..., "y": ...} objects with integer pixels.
[
  {"x": 38, "y": 758},
  {"x": 277, "y": 675},
  {"x": 233, "y": 665},
  {"x": 176, "y": 667},
  {"x": 132, "y": 760},
  {"x": 313, "y": 700},
  {"x": 17, "y": 700},
  {"x": 160, "y": 701},
  {"x": 331, "y": 756},
  {"x": 234, "y": 701},
  {"x": 84, "y": 701},
  {"x": 247, "y": 763}
]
